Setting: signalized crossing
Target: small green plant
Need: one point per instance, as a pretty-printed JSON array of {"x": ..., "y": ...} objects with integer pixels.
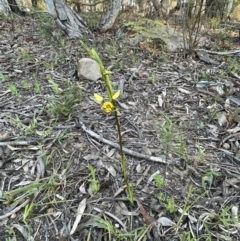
[
  {"x": 200, "y": 125},
  {"x": 119, "y": 64},
  {"x": 212, "y": 100},
  {"x": 186, "y": 236},
  {"x": 209, "y": 178},
  {"x": 170, "y": 205},
  {"x": 24, "y": 129},
  {"x": 50, "y": 64},
  {"x": 10, "y": 231},
  {"x": 47, "y": 158},
  {"x": 4, "y": 77},
  {"x": 171, "y": 140},
  {"x": 188, "y": 205},
  {"x": 112, "y": 49},
  {"x": 119, "y": 234},
  {"x": 223, "y": 219},
  {"x": 46, "y": 132},
  {"x": 62, "y": 105},
  {"x": 13, "y": 89},
  {"x": 56, "y": 89},
  {"x": 109, "y": 106},
  {"x": 161, "y": 197},
  {"x": 181, "y": 148},
  {"x": 19, "y": 194},
  {"x": 167, "y": 133},
  {"x": 94, "y": 182},
  {"x": 37, "y": 87},
  {"x": 32, "y": 126},
  {"x": 25, "y": 84},
  {"x": 153, "y": 77},
  {"x": 205, "y": 76},
  {"x": 27, "y": 210},
  {"x": 234, "y": 66},
  {"x": 62, "y": 43},
  {"x": 200, "y": 153},
  {"x": 9, "y": 239},
  {"x": 159, "y": 180},
  {"x": 222, "y": 73},
  {"x": 213, "y": 114},
  {"x": 25, "y": 55}
]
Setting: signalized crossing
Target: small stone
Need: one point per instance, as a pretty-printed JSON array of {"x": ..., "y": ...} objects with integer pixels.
[
  {"x": 143, "y": 74},
  {"x": 88, "y": 69},
  {"x": 226, "y": 146}
]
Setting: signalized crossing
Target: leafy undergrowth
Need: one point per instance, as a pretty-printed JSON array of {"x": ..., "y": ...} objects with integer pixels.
[{"x": 60, "y": 183}]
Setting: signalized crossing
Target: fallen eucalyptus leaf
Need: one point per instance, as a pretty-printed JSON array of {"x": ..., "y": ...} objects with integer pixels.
[
  {"x": 165, "y": 222},
  {"x": 80, "y": 211}
]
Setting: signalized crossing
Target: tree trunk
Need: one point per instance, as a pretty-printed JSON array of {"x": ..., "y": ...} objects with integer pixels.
[
  {"x": 4, "y": 7},
  {"x": 111, "y": 15},
  {"x": 68, "y": 20}
]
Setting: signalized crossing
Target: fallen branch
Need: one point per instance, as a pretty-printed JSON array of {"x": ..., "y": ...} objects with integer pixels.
[
  {"x": 237, "y": 52},
  {"x": 125, "y": 150}
]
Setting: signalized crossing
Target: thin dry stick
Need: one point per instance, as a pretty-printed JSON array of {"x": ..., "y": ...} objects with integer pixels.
[
  {"x": 54, "y": 140},
  {"x": 14, "y": 210},
  {"x": 112, "y": 216},
  {"x": 125, "y": 150},
  {"x": 18, "y": 143}
]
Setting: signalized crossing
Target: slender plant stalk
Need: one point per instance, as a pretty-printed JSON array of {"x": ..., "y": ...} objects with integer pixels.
[
  {"x": 106, "y": 79},
  {"x": 123, "y": 160}
]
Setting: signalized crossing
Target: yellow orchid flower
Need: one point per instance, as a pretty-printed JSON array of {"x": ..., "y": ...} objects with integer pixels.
[{"x": 107, "y": 106}]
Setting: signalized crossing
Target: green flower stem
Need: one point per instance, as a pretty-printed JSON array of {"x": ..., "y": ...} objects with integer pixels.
[
  {"x": 123, "y": 160},
  {"x": 105, "y": 75},
  {"x": 109, "y": 87}
]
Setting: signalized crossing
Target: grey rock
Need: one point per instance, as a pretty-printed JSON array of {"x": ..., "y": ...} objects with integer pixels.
[{"x": 88, "y": 69}]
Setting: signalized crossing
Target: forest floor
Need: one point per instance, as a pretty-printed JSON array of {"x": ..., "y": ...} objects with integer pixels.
[{"x": 181, "y": 110}]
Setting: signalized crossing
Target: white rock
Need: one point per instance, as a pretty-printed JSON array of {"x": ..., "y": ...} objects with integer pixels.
[
  {"x": 88, "y": 69},
  {"x": 226, "y": 146}
]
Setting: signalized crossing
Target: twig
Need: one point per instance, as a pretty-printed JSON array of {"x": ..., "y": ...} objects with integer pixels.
[
  {"x": 134, "y": 72},
  {"x": 54, "y": 140},
  {"x": 112, "y": 216},
  {"x": 18, "y": 143},
  {"x": 237, "y": 52},
  {"x": 125, "y": 150},
  {"x": 15, "y": 210},
  {"x": 229, "y": 137}
]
